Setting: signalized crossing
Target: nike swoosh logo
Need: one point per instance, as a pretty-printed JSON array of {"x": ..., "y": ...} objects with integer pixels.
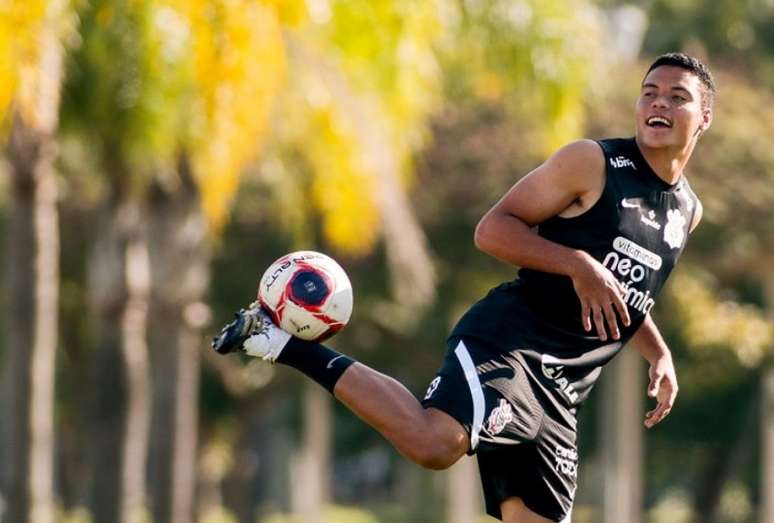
[
  {"x": 629, "y": 205},
  {"x": 330, "y": 363}
]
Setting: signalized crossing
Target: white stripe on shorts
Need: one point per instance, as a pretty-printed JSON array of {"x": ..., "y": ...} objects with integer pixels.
[{"x": 475, "y": 392}]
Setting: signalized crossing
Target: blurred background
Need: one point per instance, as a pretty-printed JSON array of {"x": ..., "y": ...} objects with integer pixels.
[{"x": 157, "y": 155}]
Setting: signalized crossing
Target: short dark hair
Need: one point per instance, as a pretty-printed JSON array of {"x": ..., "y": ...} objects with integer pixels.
[{"x": 693, "y": 65}]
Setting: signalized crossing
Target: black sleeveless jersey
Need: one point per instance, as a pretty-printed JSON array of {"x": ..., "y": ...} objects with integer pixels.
[{"x": 637, "y": 229}]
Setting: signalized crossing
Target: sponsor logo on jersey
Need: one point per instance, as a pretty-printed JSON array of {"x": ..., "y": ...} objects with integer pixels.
[
  {"x": 674, "y": 230},
  {"x": 649, "y": 220},
  {"x": 630, "y": 273},
  {"x": 432, "y": 387},
  {"x": 553, "y": 369},
  {"x": 499, "y": 418},
  {"x": 637, "y": 253},
  {"x": 622, "y": 161},
  {"x": 566, "y": 461},
  {"x": 638, "y": 299}
]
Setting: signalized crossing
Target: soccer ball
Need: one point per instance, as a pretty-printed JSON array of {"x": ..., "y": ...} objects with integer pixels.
[{"x": 307, "y": 294}]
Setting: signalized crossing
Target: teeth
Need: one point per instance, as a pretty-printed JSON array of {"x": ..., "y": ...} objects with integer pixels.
[{"x": 658, "y": 119}]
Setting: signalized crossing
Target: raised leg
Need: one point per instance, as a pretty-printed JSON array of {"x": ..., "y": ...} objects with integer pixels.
[{"x": 429, "y": 437}]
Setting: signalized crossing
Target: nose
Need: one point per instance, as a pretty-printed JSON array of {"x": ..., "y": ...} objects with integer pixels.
[{"x": 660, "y": 102}]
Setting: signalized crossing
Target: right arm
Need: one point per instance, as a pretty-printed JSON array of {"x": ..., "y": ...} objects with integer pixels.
[{"x": 568, "y": 182}]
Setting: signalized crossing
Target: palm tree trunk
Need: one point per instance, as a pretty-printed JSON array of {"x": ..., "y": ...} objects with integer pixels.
[
  {"x": 622, "y": 438},
  {"x": 180, "y": 275},
  {"x": 767, "y": 425},
  {"x": 33, "y": 285},
  {"x": 464, "y": 492},
  {"x": 119, "y": 293},
  {"x": 134, "y": 349},
  {"x": 310, "y": 468},
  {"x": 33, "y": 295}
]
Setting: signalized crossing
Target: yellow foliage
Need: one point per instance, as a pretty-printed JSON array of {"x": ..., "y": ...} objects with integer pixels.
[
  {"x": 239, "y": 65},
  {"x": 291, "y": 12},
  {"x": 342, "y": 189},
  {"x": 358, "y": 105},
  {"x": 489, "y": 86},
  {"x": 20, "y": 26}
]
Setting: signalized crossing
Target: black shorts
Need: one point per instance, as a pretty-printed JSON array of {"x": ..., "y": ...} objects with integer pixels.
[{"x": 524, "y": 448}]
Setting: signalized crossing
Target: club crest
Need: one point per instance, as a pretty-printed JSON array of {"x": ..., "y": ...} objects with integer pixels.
[
  {"x": 499, "y": 418},
  {"x": 674, "y": 230}
]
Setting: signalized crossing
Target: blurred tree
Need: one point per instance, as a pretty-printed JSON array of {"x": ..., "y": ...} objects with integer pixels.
[
  {"x": 120, "y": 97},
  {"x": 535, "y": 57},
  {"x": 237, "y": 66},
  {"x": 31, "y": 52},
  {"x": 175, "y": 95},
  {"x": 731, "y": 31},
  {"x": 365, "y": 97}
]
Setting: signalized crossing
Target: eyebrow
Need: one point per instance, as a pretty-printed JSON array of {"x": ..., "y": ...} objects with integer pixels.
[{"x": 673, "y": 88}]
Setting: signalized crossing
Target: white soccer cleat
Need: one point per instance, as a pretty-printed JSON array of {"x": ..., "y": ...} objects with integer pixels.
[
  {"x": 252, "y": 332},
  {"x": 267, "y": 341}
]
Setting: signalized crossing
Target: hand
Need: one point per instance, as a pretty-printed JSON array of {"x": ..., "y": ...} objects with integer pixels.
[
  {"x": 601, "y": 295},
  {"x": 663, "y": 387}
]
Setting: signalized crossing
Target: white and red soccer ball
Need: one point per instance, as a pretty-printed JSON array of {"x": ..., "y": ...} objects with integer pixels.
[{"x": 307, "y": 294}]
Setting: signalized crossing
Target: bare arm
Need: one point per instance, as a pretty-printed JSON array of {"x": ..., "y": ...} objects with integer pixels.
[
  {"x": 562, "y": 181},
  {"x": 663, "y": 379},
  {"x": 570, "y": 181},
  {"x": 697, "y": 215}
]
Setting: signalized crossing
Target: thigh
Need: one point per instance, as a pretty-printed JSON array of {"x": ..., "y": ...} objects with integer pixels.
[
  {"x": 515, "y": 511},
  {"x": 490, "y": 398},
  {"x": 453, "y": 399}
]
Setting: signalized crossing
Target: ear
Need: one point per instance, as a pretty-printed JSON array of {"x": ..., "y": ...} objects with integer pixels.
[{"x": 706, "y": 120}]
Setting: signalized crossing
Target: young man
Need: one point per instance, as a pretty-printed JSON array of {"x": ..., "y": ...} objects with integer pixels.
[{"x": 612, "y": 218}]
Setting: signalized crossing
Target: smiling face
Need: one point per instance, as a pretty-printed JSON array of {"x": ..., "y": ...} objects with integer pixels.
[{"x": 670, "y": 111}]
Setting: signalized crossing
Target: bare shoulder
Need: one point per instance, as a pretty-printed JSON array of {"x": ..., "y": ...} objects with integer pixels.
[
  {"x": 563, "y": 185},
  {"x": 582, "y": 151},
  {"x": 579, "y": 166}
]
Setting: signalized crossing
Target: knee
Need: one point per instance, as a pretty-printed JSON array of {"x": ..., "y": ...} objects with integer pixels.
[
  {"x": 436, "y": 453},
  {"x": 433, "y": 456}
]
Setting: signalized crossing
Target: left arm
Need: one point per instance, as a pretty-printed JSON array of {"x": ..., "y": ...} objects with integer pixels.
[
  {"x": 697, "y": 215},
  {"x": 663, "y": 380}
]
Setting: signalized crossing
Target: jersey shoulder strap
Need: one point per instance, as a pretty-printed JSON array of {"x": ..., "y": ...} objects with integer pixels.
[{"x": 617, "y": 152}]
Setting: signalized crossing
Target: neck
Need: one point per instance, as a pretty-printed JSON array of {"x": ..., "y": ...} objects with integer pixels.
[{"x": 667, "y": 162}]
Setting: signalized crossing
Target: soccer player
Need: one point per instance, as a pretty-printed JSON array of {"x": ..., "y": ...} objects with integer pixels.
[{"x": 612, "y": 219}]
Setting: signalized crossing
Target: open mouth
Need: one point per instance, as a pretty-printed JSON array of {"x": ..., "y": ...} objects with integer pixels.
[{"x": 658, "y": 122}]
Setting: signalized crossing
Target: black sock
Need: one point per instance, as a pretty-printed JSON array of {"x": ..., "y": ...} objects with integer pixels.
[{"x": 323, "y": 365}]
